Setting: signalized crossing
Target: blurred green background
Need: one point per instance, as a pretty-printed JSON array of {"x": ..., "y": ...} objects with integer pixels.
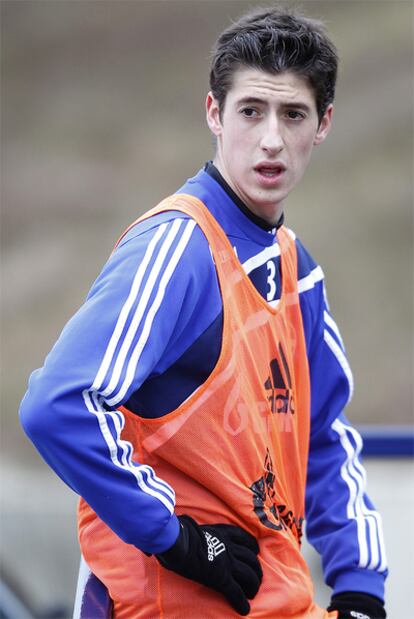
[{"x": 103, "y": 115}]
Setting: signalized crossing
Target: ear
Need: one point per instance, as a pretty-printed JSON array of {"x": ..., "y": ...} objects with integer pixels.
[
  {"x": 324, "y": 126},
  {"x": 213, "y": 114}
]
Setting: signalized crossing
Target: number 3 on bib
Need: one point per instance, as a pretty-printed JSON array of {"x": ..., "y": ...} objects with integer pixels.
[{"x": 271, "y": 280}]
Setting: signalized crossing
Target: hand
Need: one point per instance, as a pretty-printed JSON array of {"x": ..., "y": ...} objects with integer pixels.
[
  {"x": 356, "y": 605},
  {"x": 220, "y": 556}
]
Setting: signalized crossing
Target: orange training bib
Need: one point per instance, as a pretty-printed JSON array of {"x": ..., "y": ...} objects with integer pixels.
[{"x": 235, "y": 452}]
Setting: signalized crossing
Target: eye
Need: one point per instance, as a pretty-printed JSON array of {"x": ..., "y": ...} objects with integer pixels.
[
  {"x": 295, "y": 115},
  {"x": 249, "y": 112}
]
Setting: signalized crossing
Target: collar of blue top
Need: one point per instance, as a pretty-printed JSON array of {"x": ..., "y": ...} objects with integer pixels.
[{"x": 212, "y": 171}]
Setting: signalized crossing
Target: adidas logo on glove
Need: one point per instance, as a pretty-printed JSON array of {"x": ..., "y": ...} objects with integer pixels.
[{"x": 214, "y": 546}]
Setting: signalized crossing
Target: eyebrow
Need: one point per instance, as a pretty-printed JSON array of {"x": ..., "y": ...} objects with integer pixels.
[
  {"x": 286, "y": 104},
  {"x": 246, "y": 100}
]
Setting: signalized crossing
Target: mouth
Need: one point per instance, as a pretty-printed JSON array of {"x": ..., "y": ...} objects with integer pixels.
[{"x": 269, "y": 172}]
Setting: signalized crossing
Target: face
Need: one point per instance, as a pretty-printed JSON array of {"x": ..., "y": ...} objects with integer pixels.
[{"x": 265, "y": 136}]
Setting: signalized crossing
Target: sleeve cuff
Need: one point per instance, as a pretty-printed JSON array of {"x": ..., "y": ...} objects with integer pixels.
[
  {"x": 364, "y": 581},
  {"x": 164, "y": 540}
]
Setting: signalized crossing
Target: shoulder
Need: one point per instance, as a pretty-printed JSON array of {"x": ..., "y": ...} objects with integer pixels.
[
  {"x": 168, "y": 247},
  {"x": 310, "y": 273},
  {"x": 306, "y": 262},
  {"x": 146, "y": 228},
  {"x": 164, "y": 229},
  {"x": 311, "y": 291}
]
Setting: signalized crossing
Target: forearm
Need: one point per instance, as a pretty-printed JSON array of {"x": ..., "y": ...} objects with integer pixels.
[
  {"x": 86, "y": 450},
  {"x": 342, "y": 524}
]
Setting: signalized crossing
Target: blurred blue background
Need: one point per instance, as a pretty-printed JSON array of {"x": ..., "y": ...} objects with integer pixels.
[{"x": 102, "y": 116}]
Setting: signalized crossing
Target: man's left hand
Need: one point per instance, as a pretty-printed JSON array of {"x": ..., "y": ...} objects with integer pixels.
[{"x": 355, "y": 605}]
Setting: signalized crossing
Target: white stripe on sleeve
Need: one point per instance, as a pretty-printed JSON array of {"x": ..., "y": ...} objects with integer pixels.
[
  {"x": 342, "y": 360},
  {"x": 140, "y": 311},
  {"x": 354, "y": 508},
  {"x": 329, "y": 321},
  {"x": 145, "y": 476},
  {"x": 123, "y": 316},
  {"x": 372, "y": 555},
  {"x": 308, "y": 282},
  {"x": 111, "y": 423},
  {"x": 133, "y": 361},
  {"x": 377, "y": 543}
]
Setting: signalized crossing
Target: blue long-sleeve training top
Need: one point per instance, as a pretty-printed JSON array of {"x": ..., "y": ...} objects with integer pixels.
[{"x": 149, "y": 334}]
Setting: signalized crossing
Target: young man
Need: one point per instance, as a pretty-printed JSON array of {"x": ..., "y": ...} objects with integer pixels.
[{"x": 198, "y": 395}]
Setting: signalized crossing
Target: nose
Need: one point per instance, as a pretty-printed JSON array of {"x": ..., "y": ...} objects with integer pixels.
[{"x": 271, "y": 140}]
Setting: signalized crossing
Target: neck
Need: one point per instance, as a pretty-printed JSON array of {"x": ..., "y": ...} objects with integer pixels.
[
  {"x": 268, "y": 220},
  {"x": 213, "y": 171}
]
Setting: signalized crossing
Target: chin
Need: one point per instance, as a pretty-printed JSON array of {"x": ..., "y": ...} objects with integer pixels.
[{"x": 270, "y": 203}]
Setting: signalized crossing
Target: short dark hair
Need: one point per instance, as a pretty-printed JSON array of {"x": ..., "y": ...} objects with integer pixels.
[{"x": 276, "y": 40}]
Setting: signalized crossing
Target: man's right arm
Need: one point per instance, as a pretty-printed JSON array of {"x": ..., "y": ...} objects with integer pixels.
[
  {"x": 129, "y": 328},
  {"x": 104, "y": 353}
]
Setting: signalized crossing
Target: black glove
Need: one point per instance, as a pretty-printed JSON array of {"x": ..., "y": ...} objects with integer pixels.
[
  {"x": 355, "y": 605},
  {"x": 220, "y": 556}
]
